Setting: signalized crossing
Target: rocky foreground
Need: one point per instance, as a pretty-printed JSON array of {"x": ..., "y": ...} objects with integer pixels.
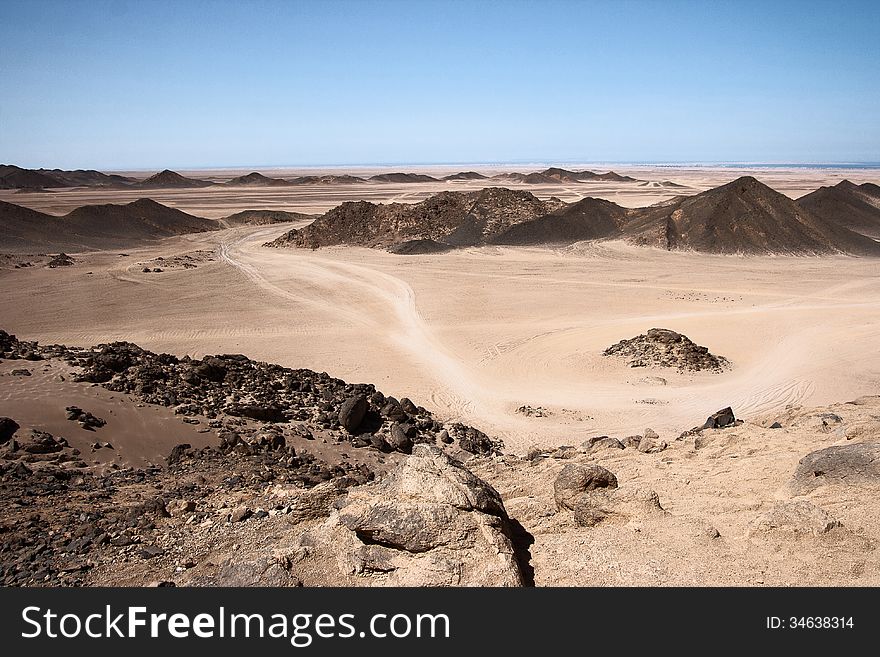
[{"x": 788, "y": 499}]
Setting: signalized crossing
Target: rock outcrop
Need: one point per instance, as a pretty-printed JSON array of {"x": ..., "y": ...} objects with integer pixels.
[
  {"x": 846, "y": 465},
  {"x": 430, "y": 522}
]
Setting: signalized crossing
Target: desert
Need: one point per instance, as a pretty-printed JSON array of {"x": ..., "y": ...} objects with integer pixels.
[{"x": 547, "y": 346}]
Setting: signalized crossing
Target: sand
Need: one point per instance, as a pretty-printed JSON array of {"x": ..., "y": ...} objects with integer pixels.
[{"x": 477, "y": 333}]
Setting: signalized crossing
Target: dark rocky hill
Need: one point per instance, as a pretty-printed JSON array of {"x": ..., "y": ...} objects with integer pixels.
[
  {"x": 94, "y": 226},
  {"x": 168, "y": 179},
  {"x": 744, "y": 216},
  {"x": 846, "y": 204},
  {"x": 588, "y": 219},
  {"x": 452, "y": 218}
]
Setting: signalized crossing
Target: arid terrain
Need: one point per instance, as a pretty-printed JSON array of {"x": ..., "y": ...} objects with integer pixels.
[{"x": 506, "y": 338}]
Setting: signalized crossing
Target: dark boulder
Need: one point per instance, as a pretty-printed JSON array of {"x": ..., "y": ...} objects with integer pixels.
[
  {"x": 720, "y": 419},
  {"x": 262, "y": 412},
  {"x": 352, "y": 413},
  {"x": 399, "y": 441},
  {"x": 8, "y": 427}
]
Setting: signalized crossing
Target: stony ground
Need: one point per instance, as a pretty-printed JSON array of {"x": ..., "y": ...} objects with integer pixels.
[{"x": 787, "y": 499}]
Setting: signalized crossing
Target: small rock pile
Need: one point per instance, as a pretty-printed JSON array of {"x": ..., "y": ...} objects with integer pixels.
[
  {"x": 61, "y": 260},
  {"x": 85, "y": 419},
  {"x": 665, "y": 348}
]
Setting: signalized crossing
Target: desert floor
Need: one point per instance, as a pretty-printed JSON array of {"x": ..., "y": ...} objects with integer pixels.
[{"x": 475, "y": 334}]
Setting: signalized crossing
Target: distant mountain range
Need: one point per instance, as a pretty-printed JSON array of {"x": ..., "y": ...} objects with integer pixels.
[
  {"x": 741, "y": 217},
  {"x": 13, "y": 177}
]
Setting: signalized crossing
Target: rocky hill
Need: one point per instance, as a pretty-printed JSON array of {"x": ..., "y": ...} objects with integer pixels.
[
  {"x": 741, "y": 217},
  {"x": 13, "y": 177},
  {"x": 255, "y": 179},
  {"x": 465, "y": 175},
  {"x": 264, "y": 217},
  {"x": 451, "y": 218},
  {"x": 587, "y": 219},
  {"x": 856, "y": 207},
  {"x": 403, "y": 178},
  {"x": 555, "y": 175},
  {"x": 327, "y": 180},
  {"x": 168, "y": 179},
  {"x": 94, "y": 226},
  {"x": 744, "y": 216}
]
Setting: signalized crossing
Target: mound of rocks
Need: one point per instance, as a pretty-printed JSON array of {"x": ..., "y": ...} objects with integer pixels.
[
  {"x": 234, "y": 385},
  {"x": 430, "y": 522},
  {"x": 61, "y": 260},
  {"x": 665, "y": 348},
  {"x": 85, "y": 419}
]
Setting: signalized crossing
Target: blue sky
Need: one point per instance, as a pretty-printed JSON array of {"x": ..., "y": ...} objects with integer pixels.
[{"x": 182, "y": 84}]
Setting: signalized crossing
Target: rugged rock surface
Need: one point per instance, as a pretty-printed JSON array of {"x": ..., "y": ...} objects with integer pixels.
[
  {"x": 430, "y": 522},
  {"x": 447, "y": 218},
  {"x": 623, "y": 504},
  {"x": 233, "y": 385},
  {"x": 263, "y": 217},
  {"x": 799, "y": 517},
  {"x": 846, "y": 465},
  {"x": 576, "y": 479},
  {"x": 665, "y": 348}
]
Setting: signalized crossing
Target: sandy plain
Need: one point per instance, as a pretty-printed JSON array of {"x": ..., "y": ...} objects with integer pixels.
[{"x": 477, "y": 333}]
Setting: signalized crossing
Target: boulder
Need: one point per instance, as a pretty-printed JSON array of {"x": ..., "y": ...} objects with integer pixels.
[
  {"x": 650, "y": 443},
  {"x": 42, "y": 442},
  {"x": 429, "y": 522},
  {"x": 180, "y": 507},
  {"x": 576, "y": 479},
  {"x": 8, "y": 427},
  {"x": 799, "y": 517},
  {"x": 853, "y": 464},
  {"x": 399, "y": 441},
  {"x": 262, "y": 412},
  {"x": 254, "y": 570},
  {"x": 352, "y": 412},
  {"x": 601, "y": 442},
  {"x": 627, "y": 503},
  {"x": 314, "y": 503},
  {"x": 720, "y": 419}
]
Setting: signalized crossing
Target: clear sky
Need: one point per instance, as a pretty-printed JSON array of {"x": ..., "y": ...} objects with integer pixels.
[{"x": 148, "y": 84}]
